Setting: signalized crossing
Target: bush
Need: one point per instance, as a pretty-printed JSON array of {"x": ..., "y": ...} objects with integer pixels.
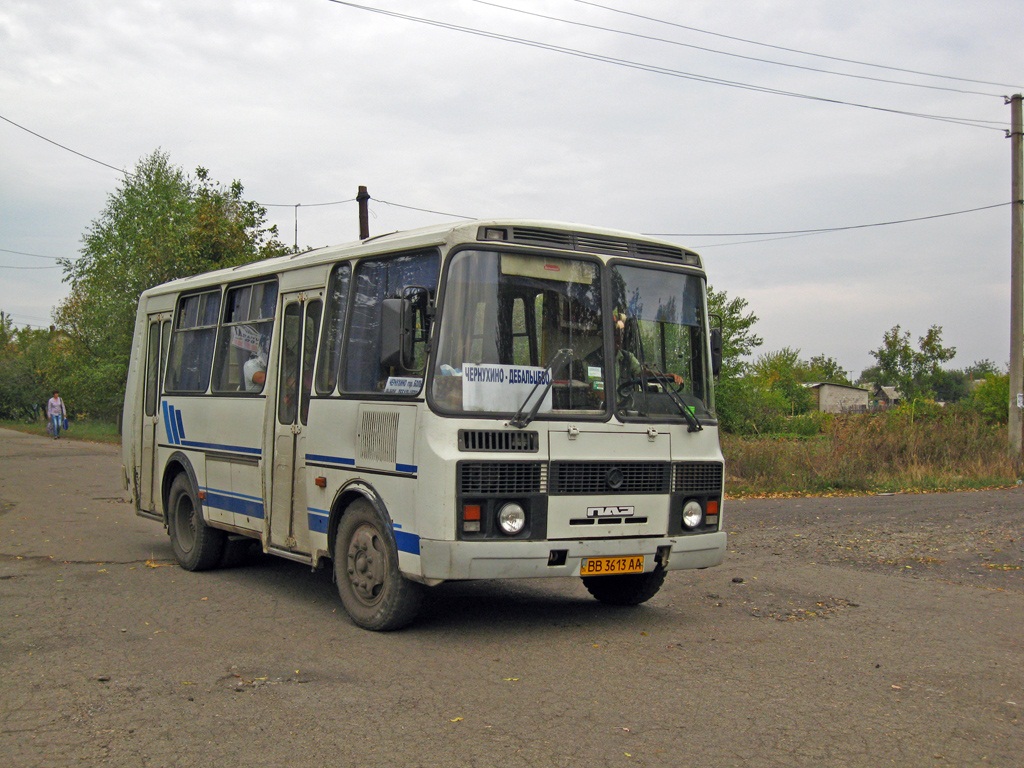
[
  {"x": 745, "y": 407},
  {"x": 991, "y": 398},
  {"x": 19, "y": 388}
]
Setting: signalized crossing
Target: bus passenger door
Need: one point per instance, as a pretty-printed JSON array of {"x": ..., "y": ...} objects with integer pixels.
[
  {"x": 157, "y": 336},
  {"x": 289, "y": 521}
]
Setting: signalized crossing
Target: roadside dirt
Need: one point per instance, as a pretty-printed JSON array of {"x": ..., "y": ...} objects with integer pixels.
[{"x": 863, "y": 631}]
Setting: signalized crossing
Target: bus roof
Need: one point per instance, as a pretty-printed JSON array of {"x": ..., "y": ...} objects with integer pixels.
[{"x": 535, "y": 233}]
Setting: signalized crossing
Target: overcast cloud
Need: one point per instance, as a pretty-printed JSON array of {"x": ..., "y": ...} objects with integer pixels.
[{"x": 304, "y": 100}]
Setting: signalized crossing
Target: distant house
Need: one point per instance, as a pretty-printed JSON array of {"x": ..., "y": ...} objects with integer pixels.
[
  {"x": 885, "y": 397},
  {"x": 839, "y": 398}
]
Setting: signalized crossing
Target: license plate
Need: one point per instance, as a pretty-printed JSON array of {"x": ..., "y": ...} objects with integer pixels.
[{"x": 611, "y": 566}]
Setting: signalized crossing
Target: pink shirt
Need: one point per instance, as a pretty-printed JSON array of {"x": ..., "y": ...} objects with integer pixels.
[{"x": 55, "y": 406}]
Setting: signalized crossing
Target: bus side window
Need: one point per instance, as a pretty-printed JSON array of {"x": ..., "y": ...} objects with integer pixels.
[
  {"x": 333, "y": 330},
  {"x": 193, "y": 342},
  {"x": 244, "y": 345},
  {"x": 376, "y": 280}
]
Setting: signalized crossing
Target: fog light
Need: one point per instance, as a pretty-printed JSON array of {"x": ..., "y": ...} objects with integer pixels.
[
  {"x": 511, "y": 518},
  {"x": 693, "y": 514}
]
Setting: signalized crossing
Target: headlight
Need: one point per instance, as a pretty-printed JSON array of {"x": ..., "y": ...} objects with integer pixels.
[
  {"x": 511, "y": 518},
  {"x": 693, "y": 514}
]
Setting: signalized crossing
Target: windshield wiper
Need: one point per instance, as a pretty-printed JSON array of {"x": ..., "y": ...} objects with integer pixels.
[
  {"x": 666, "y": 386},
  {"x": 691, "y": 418},
  {"x": 520, "y": 420}
]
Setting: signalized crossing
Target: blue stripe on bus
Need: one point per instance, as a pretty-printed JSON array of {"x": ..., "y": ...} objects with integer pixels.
[
  {"x": 169, "y": 424},
  {"x": 318, "y": 519},
  {"x": 405, "y": 469},
  {"x": 176, "y": 435},
  {"x": 239, "y": 504},
  {"x": 221, "y": 447},
  {"x": 330, "y": 459},
  {"x": 407, "y": 542}
]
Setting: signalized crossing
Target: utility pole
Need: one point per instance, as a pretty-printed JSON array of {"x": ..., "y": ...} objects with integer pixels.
[
  {"x": 363, "y": 198},
  {"x": 1016, "y": 136}
]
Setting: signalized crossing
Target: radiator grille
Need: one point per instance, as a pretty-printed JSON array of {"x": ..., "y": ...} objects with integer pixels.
[
  {"x": 498, "y": 440},
  {"x": 502, "y": 478},
  {"x": 609, "y": 477},
  {"x": 698, "y": 478},
  {"x": 378, "y": 436}
]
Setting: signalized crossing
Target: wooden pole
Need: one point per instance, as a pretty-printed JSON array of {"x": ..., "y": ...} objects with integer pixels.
[
  {"x": 1016, "y": 421},
  {"x": 364, "y": 213}
]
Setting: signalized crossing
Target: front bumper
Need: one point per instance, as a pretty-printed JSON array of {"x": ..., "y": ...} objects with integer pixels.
[{"x": 461, "y": 560}]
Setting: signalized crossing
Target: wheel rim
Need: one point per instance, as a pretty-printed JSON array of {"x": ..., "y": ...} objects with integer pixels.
[
  {"x": 185, "y": 524},
  {"x": 367, "y": 564}
]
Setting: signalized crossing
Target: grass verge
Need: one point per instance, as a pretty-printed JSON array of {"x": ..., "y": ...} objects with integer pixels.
[
  {"x": 877, "y": 453},
  {"x": 92, "y": 431}
]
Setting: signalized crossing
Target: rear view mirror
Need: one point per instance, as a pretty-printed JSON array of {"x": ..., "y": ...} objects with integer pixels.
[
  {"x": 397, "y": 333},
  {"x": 716, "y": 351}
]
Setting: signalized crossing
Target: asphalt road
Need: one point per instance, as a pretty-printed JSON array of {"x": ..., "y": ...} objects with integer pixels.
[{"x": 840, "y": 632}]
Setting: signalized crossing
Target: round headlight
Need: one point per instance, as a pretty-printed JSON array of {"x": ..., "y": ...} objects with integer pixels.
[
  {"x": 693, "y": 514},
  {"x": 511, "y": 518}
]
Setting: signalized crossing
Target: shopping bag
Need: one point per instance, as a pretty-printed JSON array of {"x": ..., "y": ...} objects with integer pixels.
[
  {"x": 64, "y": 424},
  {"x": 49, "y": 427}
]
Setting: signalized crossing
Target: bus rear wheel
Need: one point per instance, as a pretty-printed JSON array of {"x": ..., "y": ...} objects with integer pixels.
[
  {"x": 629, "y": 589},
  {"x": 375, "y": 594},
  {"x": 197, "y": 546}
]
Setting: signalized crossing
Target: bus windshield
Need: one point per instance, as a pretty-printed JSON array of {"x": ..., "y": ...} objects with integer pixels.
[
  {"x": 506, "y": 316},
  {"x": 661, "y": 352},
  {"x": 512, "y": 324}
]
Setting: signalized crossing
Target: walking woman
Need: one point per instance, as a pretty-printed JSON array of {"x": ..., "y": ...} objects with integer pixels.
[{"x": 56, "y": 413}]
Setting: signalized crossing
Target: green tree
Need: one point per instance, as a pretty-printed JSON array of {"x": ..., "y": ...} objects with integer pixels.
[
  {"x": 160, "y": 224},
  {"x": 980, "y": 369},
  {"x": 734, "y": 399},
  {"x": 823, "y": 368},
  {"x": 913, "y": 372},
  {"x": 785, "y": 373},
  {"x": 951, "y": 386},
  {"x": 738, "y": 337},
  {"x": 24, "y": 369}
]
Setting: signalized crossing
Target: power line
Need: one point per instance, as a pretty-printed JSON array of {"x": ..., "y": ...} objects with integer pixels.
[
  {"x": 6, "y": 266},
  {"x": 34, "y": 255},
  {"x": 969, "y": 122},
  {"x": 424, "y": 210},
  {"x": 305, "y": 205},
  {"x": 126, "y": 173},
  {"x": 825, "y": 230},
  {"x": 66, "y": 149},
  {"x": 782, "y": 234},
  {"x": 796, "y": 50},
  {"x": 737, "y": 55}
]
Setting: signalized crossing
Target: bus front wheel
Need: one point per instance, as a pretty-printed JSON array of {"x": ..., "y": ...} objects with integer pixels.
[
  {"x": 375, "y": 594},
  {"x": 197, "y": 546},
  {"x": 629, "y": 589}
]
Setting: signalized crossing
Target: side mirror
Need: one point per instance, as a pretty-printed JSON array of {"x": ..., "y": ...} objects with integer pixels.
[
  {"x": 397, "y": 333},
  {"x": 716, "y": 351}
]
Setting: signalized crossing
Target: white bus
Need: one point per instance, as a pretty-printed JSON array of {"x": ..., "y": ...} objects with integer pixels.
[{"x": 489, "y": 400}]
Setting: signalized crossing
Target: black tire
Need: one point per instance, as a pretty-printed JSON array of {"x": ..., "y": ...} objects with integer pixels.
[
  {"x": 236, "y": 551},
  {"x": 375, "y": 594},
  {"x": 629, "y": 589},
  {"x": 197, "y": 547}
]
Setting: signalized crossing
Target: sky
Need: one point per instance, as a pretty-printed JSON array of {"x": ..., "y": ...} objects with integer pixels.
[{"x": 708, "y": 123}]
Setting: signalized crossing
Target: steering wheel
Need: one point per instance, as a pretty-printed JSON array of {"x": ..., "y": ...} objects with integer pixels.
[{"x": 627, "y": 387}]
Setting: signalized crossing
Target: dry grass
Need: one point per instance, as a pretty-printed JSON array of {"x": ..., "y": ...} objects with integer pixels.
[{"x": 886, "y": 452}]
